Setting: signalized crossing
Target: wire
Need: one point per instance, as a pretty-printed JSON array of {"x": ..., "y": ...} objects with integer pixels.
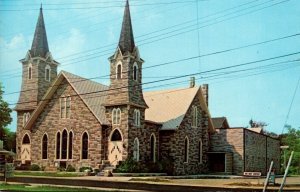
[{"x": 290, "y": 107}]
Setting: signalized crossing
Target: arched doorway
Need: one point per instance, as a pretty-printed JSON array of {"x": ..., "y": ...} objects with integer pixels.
[
  {"x": 115, "y": 147},
  {"x": 25, "y": 149}
]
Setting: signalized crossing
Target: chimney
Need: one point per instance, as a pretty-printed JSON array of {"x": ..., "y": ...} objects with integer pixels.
[
  {"x": 204, "y": 88},
  {"x": 192, "y": 82}
]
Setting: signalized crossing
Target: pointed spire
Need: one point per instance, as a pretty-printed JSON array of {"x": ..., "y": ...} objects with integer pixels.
[
  {"x": 126, "y": 42},
  {"x": 40, "y": 44}
]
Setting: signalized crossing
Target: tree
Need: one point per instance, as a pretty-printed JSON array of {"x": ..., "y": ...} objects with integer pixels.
[
  {"x": 292, "y": 139},
  {"x": 5, "y": 111},
  {"x": 255, "y": 124}
]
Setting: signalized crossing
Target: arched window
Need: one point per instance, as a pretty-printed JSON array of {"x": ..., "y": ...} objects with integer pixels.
[
  {"x": 119, "y": 71},
  {"x": 58, "y": 145},
  {"x": 70, "y": 145},
  {"x": 85, "y": 146},
  {"x": 26, "y": 117},
  {"x": 135, "y": 72},
  {"x": 137, "y": 117},
  {"x": 194, "y": 116},
  {"x": 68, "y": 107},
  {"x": 45, "y": 147},
  {"x": 62, "y": 107},
  {"x": 116, "y": 116},
  {"x": 200, "y": 151},
  {"x": 64, "y": 144},
  {"x": 47, "y": 73},
  {"x": 26, "y": 139},
  {"x": 186, "y": 150},
  {"x": 152, "y": 148},
  {"x": 136, "y": 149},
  {"x": 116, "y": 136},
  {"x": 30, "y": 71}
]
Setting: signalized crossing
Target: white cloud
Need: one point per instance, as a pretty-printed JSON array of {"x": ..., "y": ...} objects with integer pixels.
[{"x": 15, "y": 43}]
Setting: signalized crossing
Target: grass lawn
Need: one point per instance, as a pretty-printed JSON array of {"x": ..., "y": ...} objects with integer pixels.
[
  {"x": 17, "y": 187},
  {"x": 48, "y": 174}
]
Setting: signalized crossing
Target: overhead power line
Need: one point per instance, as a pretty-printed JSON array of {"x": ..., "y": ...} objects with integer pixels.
[{"x": 188, "y": 75}]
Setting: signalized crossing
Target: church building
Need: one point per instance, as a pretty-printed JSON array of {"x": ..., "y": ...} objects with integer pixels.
[{"x": 64, "y": 119}]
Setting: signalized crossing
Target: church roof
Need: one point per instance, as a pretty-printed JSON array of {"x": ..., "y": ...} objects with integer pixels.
[
  {"x": 169, "y": 107},
  {"x": 39, "y": 47},
  {"x": 93, "y": 94},
  {"x": 126, "y": 41},
  {"x": 220, "y": 122}
]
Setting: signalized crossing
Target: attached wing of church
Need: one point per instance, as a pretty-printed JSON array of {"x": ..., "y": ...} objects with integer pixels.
[{"x": 64, "y": 119}]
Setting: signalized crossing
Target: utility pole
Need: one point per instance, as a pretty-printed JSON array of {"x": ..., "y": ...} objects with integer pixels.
[
  {"x": 284, "y": 155},
  {"x": 286, "y": 172}
]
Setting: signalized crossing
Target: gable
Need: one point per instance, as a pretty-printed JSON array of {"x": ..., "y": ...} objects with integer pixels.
[
  {"x": 169, "y": 107},
  {"x": 91, "y": 93}
]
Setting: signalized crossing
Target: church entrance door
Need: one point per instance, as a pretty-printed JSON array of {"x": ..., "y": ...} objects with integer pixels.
[
  {"x": 115, "y": 147},
  {"x": 25, "y": 149}
]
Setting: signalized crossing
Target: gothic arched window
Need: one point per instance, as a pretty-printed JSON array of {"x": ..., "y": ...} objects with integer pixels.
[
  {"x": 85, "y": 146},
  {"x": 116, "y": 136},
  {"x": 45, "y": 147},
  {"x": 152, "y": 148},
  {"x": 137, "y": 117},
  {"x": 194, "y": 116},
  {"x": 30, "y": 71},
  {"x": 26, "y": 139},
  {"x": 200, "y": 151},
  {"x": 47, "y": 73},
  {"x": 58, "y": 145},
  {"x": 64, "y": 144},
  {"x": 135, "y": 72},
  {"x": 119, "y": 71},
  {"x": 186, "y": 150},
  {"x": 70, "y": 145},
  {"x": 68, "y": 107},
  {"x": 136, "y": 149}
]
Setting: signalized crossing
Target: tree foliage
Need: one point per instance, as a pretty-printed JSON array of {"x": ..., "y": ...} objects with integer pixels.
[
  {"x": 292, "y": 139},
  {"x": 5, "y": 111}
]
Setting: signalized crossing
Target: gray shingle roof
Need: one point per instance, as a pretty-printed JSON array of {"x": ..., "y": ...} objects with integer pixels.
[
  {"x": 92, "y": 93},
  {"x": 126, "y": 42},
  {"x": 39, "y": 45}
]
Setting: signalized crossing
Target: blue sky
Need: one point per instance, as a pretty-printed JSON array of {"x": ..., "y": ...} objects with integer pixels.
[{"x": 82, "y": 34}]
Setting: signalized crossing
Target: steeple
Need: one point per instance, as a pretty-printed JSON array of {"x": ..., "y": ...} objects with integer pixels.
[
  {"x": 40, "y": 44},
  {"x": 126, "y": 42}
]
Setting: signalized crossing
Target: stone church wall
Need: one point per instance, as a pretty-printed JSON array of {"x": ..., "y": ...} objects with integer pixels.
[{"x": 81, "y": 120}]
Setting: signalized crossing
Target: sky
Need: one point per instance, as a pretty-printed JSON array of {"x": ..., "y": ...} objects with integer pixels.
[{"x": 248, "y": 51}]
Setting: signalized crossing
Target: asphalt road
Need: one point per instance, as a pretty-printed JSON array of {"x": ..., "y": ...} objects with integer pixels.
[{"x": 124, "y": 185}]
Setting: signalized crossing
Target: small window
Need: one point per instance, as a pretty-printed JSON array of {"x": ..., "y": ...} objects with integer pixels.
[
  {"x": 47, "y": 73},
  {"x": 30, "y": 71},
  {"x": 26, "y": 117},
  {"x": 68, "y": 107},
  {"x": 116, "y": 116},
  {"x": 85, "y": 146},
  {"x": 136, "y": 149},
  {"x": 186, "y": 150},
  {"x": 119, "y": 71},
  {"x": 137, "y": 117},
  {"x": 45, "y": 147},
  {"x": 194, "y": 116},
  {"x": 135, "y": 72},
  {"x": 62, "y": 107}
]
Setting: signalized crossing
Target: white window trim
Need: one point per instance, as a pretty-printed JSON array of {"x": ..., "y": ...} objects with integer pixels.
[
  {"x": 56, "y": 144},
  {"x": 137, "y": 71},
  {"x": 137, "y": 118},
  {"x": 69, "y": 144},
  {"x": 29, "y": 68},
  {"x": 47, "y": 67},
  {"x": 119, "y": 63},
  {"x": 118, "y": 119}
]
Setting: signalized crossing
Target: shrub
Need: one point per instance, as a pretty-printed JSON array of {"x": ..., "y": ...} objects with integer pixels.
[
  {"x": 130, "y": 166},
  {"x": 35, "y": 167},
  {"x": 70, "y": 168},
  {"x": 82, "y": 169}
]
